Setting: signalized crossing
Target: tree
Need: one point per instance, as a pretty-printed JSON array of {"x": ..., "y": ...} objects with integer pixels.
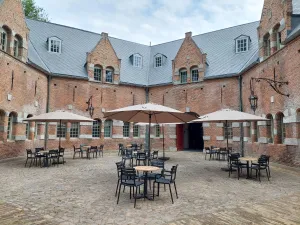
[{"x": 32, "y": 11}]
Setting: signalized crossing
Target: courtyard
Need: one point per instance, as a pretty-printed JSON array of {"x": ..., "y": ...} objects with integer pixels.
[{"x": 82, "y": 192}]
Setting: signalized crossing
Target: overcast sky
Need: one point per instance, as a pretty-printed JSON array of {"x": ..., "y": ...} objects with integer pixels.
[{"x": 154, "y": 21}]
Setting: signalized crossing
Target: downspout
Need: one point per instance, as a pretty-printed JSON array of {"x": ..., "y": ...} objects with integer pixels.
[
  {"x": 241, "y": 109},
  {"x": 147, "y": 140},
  {"x": 47, "y": 110}
]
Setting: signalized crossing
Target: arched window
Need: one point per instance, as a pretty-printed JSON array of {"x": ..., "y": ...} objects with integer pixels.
[
  {"x": 10, "y": 126},
  {"x": 267, "y": 45},
  {"x": 195, "y": 74},
  {"x": 108, "y": 124},
  {"x": 126, "y": 129},
  {"x": 280, "y": 128},
  {"x": 270, "y": 128},
  {"x": 5, "y": 33},
  {"x": 136, "y": 130},
  {"x": 98, "y": 73},
  {"x": 183, "y": 76},
  {"x": 2, "y": 124},
  {"x": 17, "y": 46},
  {"x": 109, "y": 75},
  {"x": 27, "y": 131},
  {"x": 54, "y": 45},
  {"x": 96, "y": 131}
]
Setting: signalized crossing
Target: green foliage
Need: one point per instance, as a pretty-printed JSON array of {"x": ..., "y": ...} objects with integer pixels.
[{"x": 32, "y": 11}]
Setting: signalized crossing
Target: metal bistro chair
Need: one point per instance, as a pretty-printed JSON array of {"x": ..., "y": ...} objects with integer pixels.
[
  {"x": 120, "y": 166},
  {"x": 61, "y": 154},
  {"x": 210, "y": 152},
  {"x": 53, "y": 157},
  {"x": 141, "y": 157},
  {"x": 30, "y": 156},
  {"x": 234, "y": 162},
  {"x": 262, "y": 164},
  {"x": 128, "y": 156},
  {"x": 166, "y": 177},
  {"x": 158, "y": 163},
  {"x": 39, "y": 156},
  {"x": 76, "y": 151},
  {"x": 101, "y": 148},
  {"x": 224, "y": 153},
  {"x": 92, "y": 150},
  {"x": 120, "y": 149},
  {"x": 129, "y": 179}
]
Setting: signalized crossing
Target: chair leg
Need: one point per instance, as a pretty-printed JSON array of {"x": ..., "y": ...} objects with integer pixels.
[
  {"x": 119, "y": 193},
  {"x": 158, "y": 189},
  {"x": 117, "y": 188},
  {"x": 26, "y": 162},
  {"x": 30, "y": 163},
  {"x": 135, "y": 197},
  {"x": 153, "y": 189},
  {"x": 175, "y": 189},
  {"x": 259, "y": 175},
  {"x": 171, "y": 193},
  {"x": 267, "y": 174}
]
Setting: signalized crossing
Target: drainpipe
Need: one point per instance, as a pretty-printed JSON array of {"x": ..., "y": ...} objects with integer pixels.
[
  {"x": 47, "y": 110},
  {"x": 241, "y": 109},
  {"x": 147, "y": 139}
]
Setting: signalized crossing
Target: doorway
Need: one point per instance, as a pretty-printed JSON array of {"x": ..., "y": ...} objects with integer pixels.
[{"x": 190, "y": 137}]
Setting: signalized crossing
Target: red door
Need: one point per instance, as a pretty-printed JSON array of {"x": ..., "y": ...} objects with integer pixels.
[{"x": 179, "y": 136}]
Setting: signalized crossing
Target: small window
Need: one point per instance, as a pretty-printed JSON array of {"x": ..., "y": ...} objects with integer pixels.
[
  {"x": 183, "y": 76},
  {"x": 107, "y": 128},
  {"x": 228, "y": 131},
  {"x": 126, "y": 127},
  {"x": 281, "y": 128},
  {"x": 278, "y": 40},
  {"x": 267, "y": 45},
  {"x": 16, "y": 48},
  {"x": 96, "y": 130},
  {"x": 74, "y": 131},
  {"x": 37, "y": 130},
  {"x": 136, "y": 130},
  {"x": 270, "y": 129},
  {"x": 157, "y": 130},
  {"x": 11, "y": 127},
  {"x": 97, "y": 73},
  {"x": 137, "y": 60},
  {"x": 242, "y": 45},
  {"x": 61, "y": 130},
  {"x": 158, "y": 61},
  {"x": 54, "y": 45},
  {"x": 3, "y": 40},
  {"x": 109, "y": 75},
  {"x": 195, "y": 75}
]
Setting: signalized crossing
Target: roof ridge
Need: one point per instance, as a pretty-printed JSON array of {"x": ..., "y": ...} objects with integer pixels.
[{"x": 208, "y": 32}]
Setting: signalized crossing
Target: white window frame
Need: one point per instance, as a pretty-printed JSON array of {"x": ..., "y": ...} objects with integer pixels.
[
  {"x": 108, "y": 125},
  {"x": 10, "y": 127},
  {"x": 126, "y": 129},
  {"x": 193, "y": 71},
  {"x": 75, "y": 130},
  {"x": 3, "y": 40},
  {"x": 96, "y": 129},
  {"x": 98, "y": 72},
  {"x": 16, "y": 47},
  {"x": 158, "y": 61},
  {"x": 137, "y": 60},
  {"x": 136, "y": 130},
  {"x": 108, "y": 70},
  {"x": 54, "y": 45},
  {"x": 61, "y": 131},
  {"x": 242, "y": 44},
  {"x": 181, "y": 75}
]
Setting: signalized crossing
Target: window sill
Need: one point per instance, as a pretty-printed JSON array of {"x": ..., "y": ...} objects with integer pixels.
[
  {"x": 107, "y": 137},
  {"x": 95, "y": 81}
]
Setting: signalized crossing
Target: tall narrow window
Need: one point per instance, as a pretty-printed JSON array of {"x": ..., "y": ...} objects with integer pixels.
[
  {"x": 136, "y": 130},
  {"x": 158, "y": 61},
  {"x": 61, "y": 130},
  {"x": 3, "y": 40},
  {"x": 270, "y": 129},
  {"x": 157, "y": 130},
  {"x": 97, "y": 73},
  {"x": 108, "y": 128},
  {"x": 16, "y": 48},
  {"x": 257, "y": 132},
  {"x": 126, "y": 128},
  {"x": 10, "y": 126},
  {"x": 37, "y": 130},
  {"x": 280, "y": 128},
  {"x": 195, "y": 75},
  {"x": 27, "y": 131},
  {"x": 183, "y": 76},
  {"x": 109, "y": 75},
  {"x": 74, "y": 131},
  {"x": 137, "y": 60},
  {"x": 96, "y": 132},
  {"x": 228, "y": 131},
  {"x": 2, "y": 124},
  {"x": 267, "y": 45},
  {"x": 278, "y": 40}
]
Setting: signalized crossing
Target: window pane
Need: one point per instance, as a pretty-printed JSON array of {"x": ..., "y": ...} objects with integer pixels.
[
  {"x": 126, "y": 129},
  {"x": 107, "y": 128},
  {"x": 183, "y": 77},
  {"x": 61, "y": 130},
  {"x": 228, "y": 131},
  {"x": 158, "y": 61},
  {"x": 97, "y": 73},
  {"x": 109, "y": 76},
  {"x": 137, "y": 61},
  {"x": 136, "y": 130},
  {"x": 74, "y": 131},
  {"x": 96, "y": 129},
  {"x": 195, "y": 75},
  {"x": 157, "y": 131}
]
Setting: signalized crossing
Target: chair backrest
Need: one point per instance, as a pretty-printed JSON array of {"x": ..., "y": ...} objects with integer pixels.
[
  {"x": 173, "y": 172},
  {"x": 94, "y": 147},
  {"x": 262, "y": 160},
  {"x": 29, "y": 152},
  {"x": 141, "y": 146},
  {"x": 101, "y": 147},
  {"x": 141, "y": 155},
  {"x": 128, "y": 152},
  {"x": 38, "y": 149},
  {"x": 234, "y": 158},
  {"x": 128, "y": 174},
  {"x": 120, "y": 146},
  {"x": 61, "y": 151},
  {"x": 120, "y": 166},
  {"x": 267, "y": 157},
  {"x": 53, "y": 152},
  {"x": 76, "y": 148},
  {"x": 155, "y": 154},
  {"x": 158, "y": 163}
]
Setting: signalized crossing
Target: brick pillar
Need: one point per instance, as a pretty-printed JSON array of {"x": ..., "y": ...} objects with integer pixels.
[
  {"x": 31, "y": 130},
  {"x": 254, "y": 131},
  {"x": 3, "y": 134},
  {"x": 277, "y": 136},
  {"x": 68, "y": 131},
  {"x": 273, "y": 39}
]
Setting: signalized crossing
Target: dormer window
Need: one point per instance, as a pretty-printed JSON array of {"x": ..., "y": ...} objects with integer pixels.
[
  {"x": 159, "y": 60},
  {"x": 137, "y": 60},
  {"x": 54, "y": 45},
  {"x": 242, "y": 44}
]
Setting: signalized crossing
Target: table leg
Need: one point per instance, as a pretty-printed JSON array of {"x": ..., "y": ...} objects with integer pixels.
[
  {"x": 248, "y": 175},
  {"x": 145, "y": 185}
]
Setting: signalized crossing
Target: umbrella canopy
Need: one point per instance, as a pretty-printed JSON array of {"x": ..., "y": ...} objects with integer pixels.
[
  {"x": 59, "y": 116},
  {"x": 150, "y": 113},
  {"x": 228, "y": 115}
]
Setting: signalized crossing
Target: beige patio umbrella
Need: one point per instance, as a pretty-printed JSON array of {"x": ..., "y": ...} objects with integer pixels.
[
  {"x": 228, "y": 115},
  {"x": 59, "y": 116},
  {"x": 150, "y": 113}
]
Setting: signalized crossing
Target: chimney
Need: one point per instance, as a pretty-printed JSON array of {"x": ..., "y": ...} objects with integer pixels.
[
  {"x": 104, "y": 35},
  {"x": 188, "y": 34}
]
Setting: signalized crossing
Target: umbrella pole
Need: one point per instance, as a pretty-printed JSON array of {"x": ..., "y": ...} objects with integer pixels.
[
  {"x": 163, "y": 131},
  {"x": 227, "y": 132},
  {"x": 149, "y": 129},
  {"x": 59, "y": 135}
]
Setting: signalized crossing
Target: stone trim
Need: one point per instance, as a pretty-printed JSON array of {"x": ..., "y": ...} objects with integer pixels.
[
  {"x": 291, "y": 141},
  {"x": 246, "y": 124},
  {"x": 172, "y": 136},
  {"x": 263, "y": 140},
  {"x": 246, "y": 139},
  {"x": 262, "y": 123},
  {"x": 236, "y": 139},
  {"x": 117, "y": 136},
  {"x": 206, "y": 138},
  {"x": 220, "y": 124},
  {"x": 206, "y": 125},
  {"x": 235, "y": 125},
  {"x": 220, "y": 138},
  {"x": 87, "y": 136},
  {"x": 52, "y": 137},
  {"x": 86, "y": 123},
  {"x": 20, "y": 137}
]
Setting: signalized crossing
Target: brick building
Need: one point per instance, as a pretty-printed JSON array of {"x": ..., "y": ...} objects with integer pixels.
[{"x": 47, "y": 67}]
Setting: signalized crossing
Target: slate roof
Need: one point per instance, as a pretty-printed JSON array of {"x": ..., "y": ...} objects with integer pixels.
[
  {"x": 296, "y": 6},
  {"x": 219, "y": 46}
]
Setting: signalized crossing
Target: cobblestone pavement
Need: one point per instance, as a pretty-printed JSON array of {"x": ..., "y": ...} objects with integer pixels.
[{"x": 82, "y": 192}]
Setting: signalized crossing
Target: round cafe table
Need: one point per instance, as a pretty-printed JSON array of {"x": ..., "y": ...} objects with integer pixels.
[
  {"x": 248, "y": 159},
  {"x": 146, "y": 169}
]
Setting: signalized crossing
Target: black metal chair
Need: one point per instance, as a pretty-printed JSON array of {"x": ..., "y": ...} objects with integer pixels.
[
  {"x": 61, "y": 155},
  {"x": 166, "y": 177},
  {"x": 157, "y": 163},
  {"x": 234, "y": 163},
  {"x": 92, "y": 150},
  {"x": 210, "y": 152},
  {"x": 120, "y": 166},
  {"x": 77, "y": 151},
  {"x": 129, "y": 179},
  {"x": 30, "y": 156},
  {"x": 39, "y": 156},
  {"x": 223, "y": 153},
  {"x": 141, "y": 157},
  {"x": 128, "y": 156},
  {"x": 53, "y": 157},
  {"x": 262, "y": 164},
  {"x": 101, "y": 148}
]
